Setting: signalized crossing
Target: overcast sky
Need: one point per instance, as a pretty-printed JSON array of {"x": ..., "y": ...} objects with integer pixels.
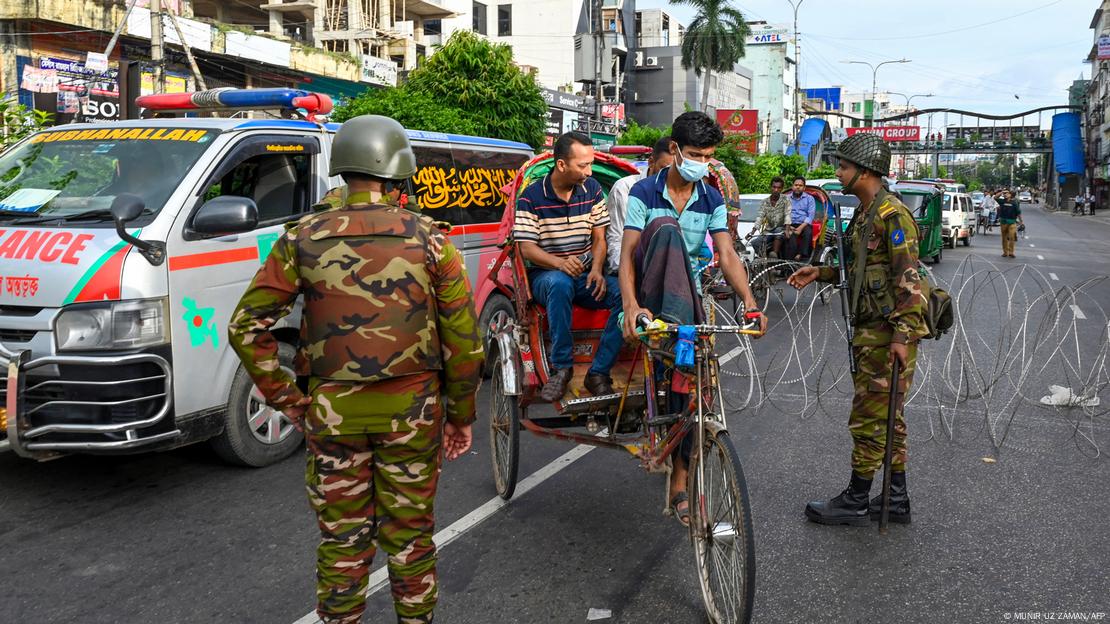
[{"x": 973, "y": 54}]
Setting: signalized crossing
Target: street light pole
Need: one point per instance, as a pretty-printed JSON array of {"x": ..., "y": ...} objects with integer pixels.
[
  {"x": 874, "y": 81},
  {"x": 797, "y": 71}
]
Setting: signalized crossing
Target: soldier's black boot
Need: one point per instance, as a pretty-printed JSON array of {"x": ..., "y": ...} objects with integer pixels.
[
  {"x": 899, "y": 501},
  {"x": 850, "y": 507}
]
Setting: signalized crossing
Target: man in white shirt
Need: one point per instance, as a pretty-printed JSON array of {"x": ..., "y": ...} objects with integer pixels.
[{"x": 617, "y": 201}]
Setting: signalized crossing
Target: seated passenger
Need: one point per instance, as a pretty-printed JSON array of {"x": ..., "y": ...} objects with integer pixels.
[
  {"x": 617, "y": 202},
  {"x": 560, "y": 225},
  {"x": 799, "y": 231},
  {"x": 668, "y": 216},
  {"x": 771, "y": 221}
]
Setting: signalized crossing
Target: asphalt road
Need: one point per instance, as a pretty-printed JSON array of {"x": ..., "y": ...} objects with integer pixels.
[{"x": 181, "y": 537}]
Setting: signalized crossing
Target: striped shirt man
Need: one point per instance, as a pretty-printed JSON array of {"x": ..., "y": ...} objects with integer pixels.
[{"x": 561, "y": 228}]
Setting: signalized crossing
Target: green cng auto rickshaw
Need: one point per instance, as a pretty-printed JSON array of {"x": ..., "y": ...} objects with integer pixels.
[{"x": 925, "y": 200}]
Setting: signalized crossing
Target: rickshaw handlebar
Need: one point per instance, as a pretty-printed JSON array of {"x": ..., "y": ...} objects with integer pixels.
[{"x": 656, "y": 328}]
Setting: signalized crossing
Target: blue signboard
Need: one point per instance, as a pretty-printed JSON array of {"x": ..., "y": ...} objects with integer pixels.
[{"x": 830, "y": 95}]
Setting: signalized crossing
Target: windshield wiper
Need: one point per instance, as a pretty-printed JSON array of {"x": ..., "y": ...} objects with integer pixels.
[{"x": 100, "y": 214}]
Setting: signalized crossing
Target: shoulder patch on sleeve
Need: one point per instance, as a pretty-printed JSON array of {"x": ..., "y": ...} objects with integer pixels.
[
  {"x": 897, "y": 237},
  {"x": 888, "y": 209}
]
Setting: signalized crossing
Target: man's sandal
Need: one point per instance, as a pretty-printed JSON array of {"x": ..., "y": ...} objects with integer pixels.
[{"x": 683, "y": 513}]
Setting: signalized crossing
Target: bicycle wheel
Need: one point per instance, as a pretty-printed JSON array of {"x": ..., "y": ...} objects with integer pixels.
[
  {"x": 504, "y": 435},
  {"x": 721, "y": 531}
]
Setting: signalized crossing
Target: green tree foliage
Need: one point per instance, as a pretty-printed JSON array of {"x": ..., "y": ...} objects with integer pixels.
[
  {"x": 714, "y": 40},
  {"x": 754, "y": 173},
  {"x": 469, "y": 86},
  {"x": 823, "y": 171},
  {"x": 647, "y": 136},
  {"x": 17, "y": 121},
  {"x": 412, "y": 110}
]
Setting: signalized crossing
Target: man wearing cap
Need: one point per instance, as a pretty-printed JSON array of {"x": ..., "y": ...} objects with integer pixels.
[{"x": 889, "y": 317}]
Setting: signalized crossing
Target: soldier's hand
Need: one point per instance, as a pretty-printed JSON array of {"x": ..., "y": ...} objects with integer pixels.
[
  {"x": 296, "y": 413},
  {"x": 803, "y": 277},
  {"x": 595, "y": 281},
  {"x": 901, "y": 351},
  {"x": 572, "y": 266},
  {"x": 456, "y": 440}
]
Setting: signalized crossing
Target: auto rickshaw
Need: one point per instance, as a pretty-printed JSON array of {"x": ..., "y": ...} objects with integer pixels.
[{"x": 925, "y": 201}]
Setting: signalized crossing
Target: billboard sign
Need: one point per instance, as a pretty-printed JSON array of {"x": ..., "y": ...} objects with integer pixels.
[
  {"x": 1104, "y": 48},
  {"x": 891, "y": 133},
  {"x": 745, "y": 122},
  {"x": 768, "y": 34}
]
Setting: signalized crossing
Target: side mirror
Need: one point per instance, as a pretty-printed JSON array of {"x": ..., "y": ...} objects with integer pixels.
[
  {"x": 228, "y": 214},
  {"x": 125, "y": 208}
]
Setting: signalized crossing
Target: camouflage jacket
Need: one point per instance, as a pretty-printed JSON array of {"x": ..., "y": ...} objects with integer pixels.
[
  {"x": 385, "y": 295},
  {"x": 892, "y": 302}
]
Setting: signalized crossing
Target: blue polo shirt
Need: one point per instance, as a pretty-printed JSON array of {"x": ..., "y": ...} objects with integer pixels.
[{"x": 704, "y": 212}]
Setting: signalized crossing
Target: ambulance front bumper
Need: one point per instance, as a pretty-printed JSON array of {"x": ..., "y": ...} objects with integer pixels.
[{"x": 59, "y": 404}]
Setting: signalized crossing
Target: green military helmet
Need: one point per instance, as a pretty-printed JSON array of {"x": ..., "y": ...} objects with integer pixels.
[
  {"x": 866, "y": 150},
  {"x": 373, "y": 145}
]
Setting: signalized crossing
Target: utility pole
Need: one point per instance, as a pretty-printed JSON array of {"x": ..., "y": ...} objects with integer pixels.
[
  {"x": 874, "y": 83},
  {"x": 157, "y": 53},
  {"x": 201, "y": 85},
  {"x": 797, "y": 71},
  {"x": 598, "y": 49}
]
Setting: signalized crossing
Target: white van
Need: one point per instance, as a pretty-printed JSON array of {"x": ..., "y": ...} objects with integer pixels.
[
  {"x": 113, "y": 314},
  {"x": 957, "y": 219}
]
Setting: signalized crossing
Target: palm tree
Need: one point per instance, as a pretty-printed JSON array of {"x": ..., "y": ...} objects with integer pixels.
[{"x": 714, "y": 41}]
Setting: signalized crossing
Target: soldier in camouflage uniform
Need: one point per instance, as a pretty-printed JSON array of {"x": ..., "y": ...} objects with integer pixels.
[
  {"x": 392, "y": 356},
  {"x": 889, "y": 320}
]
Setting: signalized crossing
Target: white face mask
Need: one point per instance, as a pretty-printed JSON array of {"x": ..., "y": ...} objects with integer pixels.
[{"x": 691, "y": 170}]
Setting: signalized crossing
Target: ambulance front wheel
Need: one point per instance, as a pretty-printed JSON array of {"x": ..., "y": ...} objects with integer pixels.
[{"x": 254, "y": 433}]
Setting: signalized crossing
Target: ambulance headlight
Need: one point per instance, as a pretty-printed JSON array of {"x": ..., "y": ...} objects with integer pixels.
[{"x": 112, "y": 325}]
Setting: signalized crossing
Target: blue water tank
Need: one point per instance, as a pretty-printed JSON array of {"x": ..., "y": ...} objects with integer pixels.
[{"x": 1067, "y": 144}]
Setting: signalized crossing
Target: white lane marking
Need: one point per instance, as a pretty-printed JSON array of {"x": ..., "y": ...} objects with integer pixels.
[
  {"x": 1030, "y": 244},
  {"x": 731, "y": 355},
  {"x": 1053, "y": 276},
  {"x": 1039, "y": 257},
  {"x": 380, "y": 578},
  {"x": 1077, "y": 312}
]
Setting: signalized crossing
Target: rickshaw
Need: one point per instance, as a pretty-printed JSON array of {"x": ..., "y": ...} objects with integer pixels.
[
  {"x": 634, "y": 419},
  {"x": 765, "y": 272}
]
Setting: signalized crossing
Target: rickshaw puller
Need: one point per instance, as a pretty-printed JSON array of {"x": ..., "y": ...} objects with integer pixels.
[{"x": 657, "y": 199}]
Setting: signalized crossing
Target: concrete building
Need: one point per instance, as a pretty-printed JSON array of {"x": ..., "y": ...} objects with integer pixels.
[
  {"x": 46, "y": 69},
  {"x": 1096, "y": 112},
  {"x": 655, "y": 28},
  {"x": 664, "y": 89},
  {"x": 768, "y": 54}
]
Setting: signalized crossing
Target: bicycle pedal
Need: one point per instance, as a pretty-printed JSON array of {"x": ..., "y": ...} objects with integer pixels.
[{"x": 663, "y": 420}]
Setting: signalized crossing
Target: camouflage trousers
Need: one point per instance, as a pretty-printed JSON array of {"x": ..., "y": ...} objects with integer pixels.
[
  {"x": 375, "y": 487},
  {"x": 867, "y": 423}
]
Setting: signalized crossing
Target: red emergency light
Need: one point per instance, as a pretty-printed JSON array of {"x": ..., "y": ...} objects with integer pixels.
[{"x": 240, "y": 99}]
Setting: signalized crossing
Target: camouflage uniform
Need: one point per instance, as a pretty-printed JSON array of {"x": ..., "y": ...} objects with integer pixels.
[
  {"x": 389, "y": 329},
  {"x": 891, "y": 309}
]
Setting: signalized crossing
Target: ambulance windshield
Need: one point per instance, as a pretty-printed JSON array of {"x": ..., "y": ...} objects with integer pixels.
[{"x": 67, "y": 176}]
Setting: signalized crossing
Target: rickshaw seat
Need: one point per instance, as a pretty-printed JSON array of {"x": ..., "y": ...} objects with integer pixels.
[{"x": 582, "y": 318}]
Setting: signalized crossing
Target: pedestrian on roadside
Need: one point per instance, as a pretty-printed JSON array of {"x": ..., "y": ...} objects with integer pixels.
[
  {"x": 1009, "y": 215},
  {"x": 390, "y": 342},
  {"x": 1091, "y": 204},
  {"x": 1080, "y": 200},
  {"x": 889, "y": 319}
]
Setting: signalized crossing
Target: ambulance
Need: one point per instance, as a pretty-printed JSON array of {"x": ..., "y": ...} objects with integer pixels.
[{"x": 125, "y": 246}]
